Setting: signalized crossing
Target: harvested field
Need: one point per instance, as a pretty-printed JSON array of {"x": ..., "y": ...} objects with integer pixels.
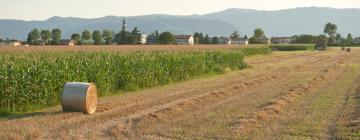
[{"x": 285, "y": 95}]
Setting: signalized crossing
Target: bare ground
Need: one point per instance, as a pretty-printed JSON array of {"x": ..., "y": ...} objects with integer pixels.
[{"x": 297, "y": 95}]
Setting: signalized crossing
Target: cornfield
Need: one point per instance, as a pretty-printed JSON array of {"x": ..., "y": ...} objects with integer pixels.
[
  {"x": 292, "y": 47},
  {"x": 34, "y": 80}
]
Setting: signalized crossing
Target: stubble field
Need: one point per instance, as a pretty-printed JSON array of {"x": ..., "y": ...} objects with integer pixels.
[{"x": 283, "y": 95}]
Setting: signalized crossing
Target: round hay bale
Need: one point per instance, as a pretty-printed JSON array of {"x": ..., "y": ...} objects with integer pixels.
[
  {"x": 78, "y": 96},
  {"x": 343, "y": 48},
  {"x": 348, "y": 49}
]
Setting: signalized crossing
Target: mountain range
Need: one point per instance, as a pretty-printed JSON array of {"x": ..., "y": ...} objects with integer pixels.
[{"x": 305, "y": 20}]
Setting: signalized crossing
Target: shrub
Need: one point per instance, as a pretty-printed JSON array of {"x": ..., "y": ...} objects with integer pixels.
[
  {"x": 255, "y": 50},
  {"x": 292, "y": 47}
]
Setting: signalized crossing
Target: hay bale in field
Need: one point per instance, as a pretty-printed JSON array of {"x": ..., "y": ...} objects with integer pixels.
[
  {"x": 343, "y": 48},
  {"x": 77, "y": 96},
  {"x": 348, "y": 49}
]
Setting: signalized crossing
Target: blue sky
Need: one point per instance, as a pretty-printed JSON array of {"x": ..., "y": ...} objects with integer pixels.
[{"x": 43, "y": 9}]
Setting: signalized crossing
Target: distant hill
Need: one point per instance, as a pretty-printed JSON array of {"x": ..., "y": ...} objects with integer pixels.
[
  {"x": 309, "y": 20},
  {"x": 147, "y": 24},
  {"x": 287, "y": 22}
]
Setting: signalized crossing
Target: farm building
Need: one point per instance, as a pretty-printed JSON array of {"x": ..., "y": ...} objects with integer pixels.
[
  {"x": 67, "y": 42},
  {"x": 281, "y": 40},
  {"x": 143, "y": 39},
  {"x": 184, "y": 39},
  {"x": 239, "y": 41},
  {"x": 11, "y": 43},
  {"x": 224, "y": 40},
  {"x": 356, "y": 40}
]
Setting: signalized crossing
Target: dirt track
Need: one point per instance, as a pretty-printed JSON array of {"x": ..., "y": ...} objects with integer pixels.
[{"x": 296, "y": 95}]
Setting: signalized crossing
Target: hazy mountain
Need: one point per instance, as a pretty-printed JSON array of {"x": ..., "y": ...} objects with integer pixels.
[
  {"x": 310, "y": 20},
  {"x": 287, "y": 22},
  {"x": 147, "y": 24}
]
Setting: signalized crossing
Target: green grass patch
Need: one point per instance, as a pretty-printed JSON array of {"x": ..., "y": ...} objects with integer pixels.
[
  {"x": 292, "y": 47},
  {"x": 248, "y": 51}
]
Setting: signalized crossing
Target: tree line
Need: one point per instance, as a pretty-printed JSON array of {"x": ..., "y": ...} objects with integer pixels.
[{"x": 108, "y": 37}]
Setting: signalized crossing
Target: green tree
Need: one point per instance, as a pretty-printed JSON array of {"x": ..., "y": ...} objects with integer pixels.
[
  {"x": 156, "y": 33},
  {"x": 122, "y": 37},
  {"x": 45, "y": 36},
  {"x": 206, "y": 39},
  {"x": 56, "y": 36},
  {"x": 85, "y": 37},
  {"x": 135, "y": 36},
  {"x": 235, "y": 35},
  {"x": 304, "y": 39},
  {"x": 198, "y": 38},
  {"x": 259, "y": 33},
  {"x": 331, "y": 30},
  {"x": 167, "y": 38},
  {"x": 349, "y": 39},
  {"x": 215, "y": 40},
  {"x": 108, "y": 36},
  {"x": 76, "y": 37},
  {"x": 33, "y": 37},
  {"x": 258, "y": 37},
  {"x": 97, "y": 37}
]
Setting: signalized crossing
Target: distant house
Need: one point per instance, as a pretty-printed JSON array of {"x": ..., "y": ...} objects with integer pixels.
[
  {"x": 67, "y": 42},
  {"x": 281, "y": 40},
  {"x": 356, "y": 40},
  {"x": 224, "y": 40},
  {"x": 143, "y": 39},
  {"x": 11, "y": 43},
  {"x": 239, "y": 41},
  {"x": 151, "y": 39},
  {"x": 184, "y": 39}
]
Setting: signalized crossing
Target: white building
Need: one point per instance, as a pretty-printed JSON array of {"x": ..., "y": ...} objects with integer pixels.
[
  {"x": 11, "y": 43},
  {"x": 184, "y": 39},
  {"x": 356, "y": 40},
  {"x": 143, "y": 39},
  {"x": 239, "y": 41},
  {"x": 224, "y": 40}
]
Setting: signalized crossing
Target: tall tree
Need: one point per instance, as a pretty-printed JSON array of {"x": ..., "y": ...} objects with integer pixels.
[
  {"x": 122, "y": 37},
  {"x": 156, "y": 33},
  {"x": 235, "y": 35},
  {"x": 97, "y": 37},
  {"x": 108, "y": 36},
  {"x": 56, "y": 36},
  {"x": 167, "y": 38},
  {"x": 135, "y": 36},
  {"x": 331, "y": 30},
  {"x": 198, "y": 38},
  {"x": 206, "y": 39},
  {"x": 85, "y": 37},
  {"x": 33, "y": 37},
  {"x": 258, "y": 37},
  {"x": 45, "y": 36},
  {"x": 259, "y": 33},
  {"x": 349, "y": 39},
  {"x": 215, "y": 40},
  {"x": 76, "y": 37}
]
